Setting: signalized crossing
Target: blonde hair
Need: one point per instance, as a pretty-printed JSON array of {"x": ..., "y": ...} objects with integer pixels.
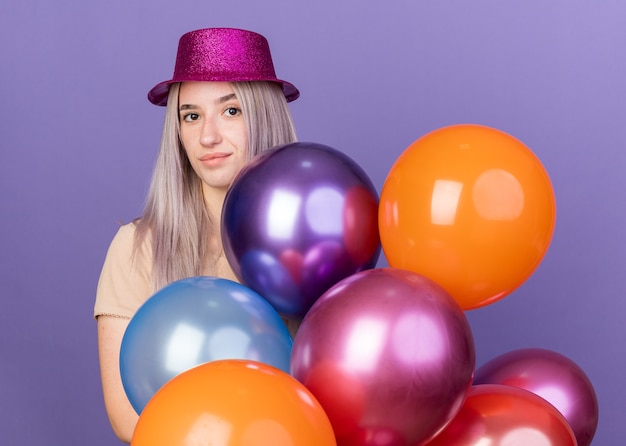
[{"x": 175, "y": 220}]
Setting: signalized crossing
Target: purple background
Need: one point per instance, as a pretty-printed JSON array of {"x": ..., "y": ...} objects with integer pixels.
[{"x": 79, "y": 139}]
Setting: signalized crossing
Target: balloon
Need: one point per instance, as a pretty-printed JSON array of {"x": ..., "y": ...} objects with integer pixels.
[
  {"x": 196, "y": 320},
  {"x": 298, "y": 219},
  {"x": 388, "y": 354},
  {"x": 502, "y": 415},
  {"x": 553, "y": 377},
  {"x": 233, "y": 403},
  {"x": 470, "y": 207}
]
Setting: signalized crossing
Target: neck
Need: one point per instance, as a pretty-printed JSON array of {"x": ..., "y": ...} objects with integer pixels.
[{"x": 214, "y": 201}]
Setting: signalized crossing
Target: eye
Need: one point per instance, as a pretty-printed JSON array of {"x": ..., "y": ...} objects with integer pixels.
[
  {"x": 232, "y": 111},
  {"x": 189, "y": 117}
]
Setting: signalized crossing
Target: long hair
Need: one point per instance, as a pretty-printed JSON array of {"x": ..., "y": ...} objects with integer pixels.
[{"x": 175, "y": 220}]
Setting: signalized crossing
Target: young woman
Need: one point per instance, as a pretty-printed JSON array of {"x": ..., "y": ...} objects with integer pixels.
[{"x": 224, "y": 105}]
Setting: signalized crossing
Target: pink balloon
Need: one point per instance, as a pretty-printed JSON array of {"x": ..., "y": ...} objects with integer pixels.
[
  {"x": 388, "y": 354},
  {"x": 553, "y": 377},
  {"x": 494, "y": 414}
]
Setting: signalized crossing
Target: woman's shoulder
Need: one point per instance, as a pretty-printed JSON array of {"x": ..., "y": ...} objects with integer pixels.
[
  {"x": 127, "y": 230},
  {"x": 126, "y": 237}
]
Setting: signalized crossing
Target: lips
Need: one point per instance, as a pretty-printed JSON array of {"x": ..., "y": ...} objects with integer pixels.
[
  {"x": 214, "y": 155},
  {"x": 214, "y": 158}
]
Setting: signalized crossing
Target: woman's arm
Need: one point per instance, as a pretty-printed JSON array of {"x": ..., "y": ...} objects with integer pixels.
[
  {"x": 122, "y": 416},
  {"x": 123, "y": 287}
]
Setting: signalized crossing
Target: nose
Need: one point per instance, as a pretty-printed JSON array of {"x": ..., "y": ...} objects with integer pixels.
[{"x": 211, "y": 134}]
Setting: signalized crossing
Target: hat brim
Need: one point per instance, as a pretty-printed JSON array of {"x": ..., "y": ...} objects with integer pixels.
[{"x": 159, "y": 93}]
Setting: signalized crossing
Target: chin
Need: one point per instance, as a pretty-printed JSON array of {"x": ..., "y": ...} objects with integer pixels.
[{"x": 218, "y": 185}]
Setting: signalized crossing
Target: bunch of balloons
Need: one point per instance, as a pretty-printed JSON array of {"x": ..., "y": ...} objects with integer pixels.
[
  {"x": 206, "y": 361},
  {"x": 552, "y": 376},
  {"x": 383, "y": 356},
  {"x": 527, "y": 396},
  {"x": 472, "y": 208}
]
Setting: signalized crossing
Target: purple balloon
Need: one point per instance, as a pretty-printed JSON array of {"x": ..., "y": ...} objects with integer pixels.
[
  {"x": 388, "y": 354},
  {"x": 553, "y": 377},
  {"x": 262, "y": 271},
  {"x": 298, "y": 219}
]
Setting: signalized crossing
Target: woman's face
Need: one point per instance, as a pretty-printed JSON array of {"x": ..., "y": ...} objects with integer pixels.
[{"x": 212, "y": 130}]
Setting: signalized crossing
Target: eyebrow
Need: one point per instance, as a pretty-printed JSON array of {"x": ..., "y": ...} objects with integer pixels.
[
  {"x": 227, "y": 98},
  {"x": 221, "y": 100}
]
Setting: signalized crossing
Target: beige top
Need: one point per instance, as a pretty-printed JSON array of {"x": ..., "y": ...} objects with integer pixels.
[{"x": 125, "y": 281}]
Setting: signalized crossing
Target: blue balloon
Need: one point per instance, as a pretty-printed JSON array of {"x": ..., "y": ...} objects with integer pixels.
[
  {"x": 193, "y": 321},
  {"x": 298, "y": 219}
]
